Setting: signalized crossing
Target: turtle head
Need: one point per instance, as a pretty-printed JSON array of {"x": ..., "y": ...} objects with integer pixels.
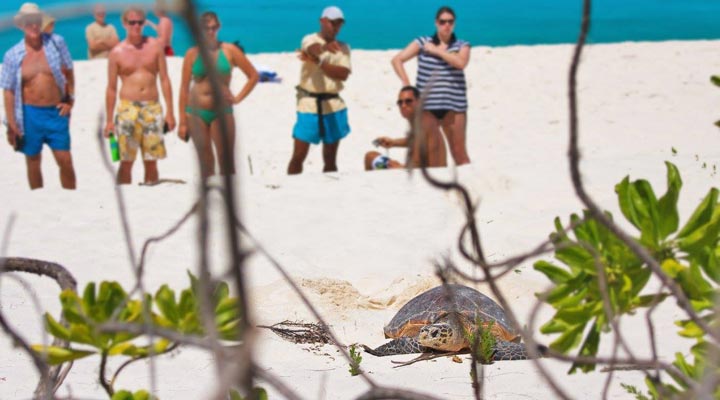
[{"x": 441, "y": 336}]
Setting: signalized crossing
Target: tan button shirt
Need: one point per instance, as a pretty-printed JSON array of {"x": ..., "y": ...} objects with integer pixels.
[
  {"x": 96, "y": 31},
  {"x": 314, "y": 80}
]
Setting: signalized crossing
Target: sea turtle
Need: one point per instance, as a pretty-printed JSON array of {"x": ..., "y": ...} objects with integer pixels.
[{"x": 431, "y": 322}]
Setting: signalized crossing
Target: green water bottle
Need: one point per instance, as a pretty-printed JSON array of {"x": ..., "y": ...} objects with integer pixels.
[{"x": 114, "y": 149}]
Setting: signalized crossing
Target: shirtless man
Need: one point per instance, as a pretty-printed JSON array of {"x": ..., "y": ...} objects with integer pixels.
[
  {"x": 138, "y": 122},
  {"x": 164, "y": 28},
  {"x": 101, "y": 36},
  {"x": 407, "y": 102},
  {"x": 38, "y": 82}
]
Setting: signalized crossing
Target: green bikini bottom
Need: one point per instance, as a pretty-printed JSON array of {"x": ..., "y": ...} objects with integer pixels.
[{"x": 208, "y": 116}]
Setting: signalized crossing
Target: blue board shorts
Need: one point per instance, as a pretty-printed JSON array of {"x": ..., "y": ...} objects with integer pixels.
[
  {"x": 336, "y": 127},
  {"x": 44, "y": 125}
]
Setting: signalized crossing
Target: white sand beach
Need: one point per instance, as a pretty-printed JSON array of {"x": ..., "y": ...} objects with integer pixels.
[{"x": 363, "y": 243}]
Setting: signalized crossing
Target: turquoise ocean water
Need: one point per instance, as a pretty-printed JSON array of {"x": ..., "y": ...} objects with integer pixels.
[{"x": 278, "y": 25}]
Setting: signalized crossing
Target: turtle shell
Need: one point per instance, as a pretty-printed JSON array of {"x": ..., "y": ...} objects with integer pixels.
[{"x": 434, "y": 304}]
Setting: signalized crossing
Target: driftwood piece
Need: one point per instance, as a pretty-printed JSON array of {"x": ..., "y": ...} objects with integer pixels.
[{"x": 55, "y": 374}]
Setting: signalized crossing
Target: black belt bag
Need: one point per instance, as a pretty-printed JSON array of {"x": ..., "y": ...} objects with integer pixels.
[{"x": 319, "y": 98}]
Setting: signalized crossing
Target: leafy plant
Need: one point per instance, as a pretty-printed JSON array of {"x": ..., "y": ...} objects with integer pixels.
[
  {"x": 110, "y": 303},
  {"x": 356, "y": 357},
  {"x": 591, "y": 254},
  {"x": 483, "y": 342},
  {"x": 634, "y": 391}
]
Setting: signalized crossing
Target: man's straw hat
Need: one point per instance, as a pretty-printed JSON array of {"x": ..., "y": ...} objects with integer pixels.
[{"x": 26, "y": 10}]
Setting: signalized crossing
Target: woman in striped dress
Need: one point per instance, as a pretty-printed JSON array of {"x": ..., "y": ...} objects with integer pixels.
[{"x": 441, "y": 61}]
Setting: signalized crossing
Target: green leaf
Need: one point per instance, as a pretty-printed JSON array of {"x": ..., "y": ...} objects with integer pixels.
[
  {"x": 576, "y": 257},
  {"x": 222, "y": 291},
  {"x": 165, "y": 300},
  {"x": 684, "y": 366},
  {"x": 625, "y": 194},
  {"x": 187, "y": 303},
  {"x": 227, "y": 304},
  {"x": 55, "y": 328},
  {"x": 133, "y": 311},
  {"x": 89, "y": 298},
  {"x": 131, "y": 350},
  {"x": 141, "y": 395},
  {"x": 576, "y": 315},
  {"x": 715, "y": 80},
  {"x": 554, "y": 326},
  {"x": 552, "y": 272},
  {"x": 125, "y": 348},
  {"x": 122, "y": 395},
  {"x": 81, "y": 333},
  {"x": 669, "y": 219},
  {"x": 639, "y": 279},
  {"x": 72, "y": 309},
  {"x": 230, "y": 331},
  {"x": 701, "y": 215},
  {"x": 647, "y": 300},
  {"x": 194, "y": 283},
  {"x": 703, "y": 236},
  {"x": 260, "y": 393},
  {"x": 110, "y": 297},
  {"x": 568, "y": 340},
  {"x": 58, "y": 355},
  {"x": 589, "y": 348},
  {"x": 690, "y": 329},
  {"x": 672, "y": 268},
  {"x": 711, "y": 266}
]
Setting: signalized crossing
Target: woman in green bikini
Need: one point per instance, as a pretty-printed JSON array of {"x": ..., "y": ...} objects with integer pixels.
[{"x": 197, "y": 109}]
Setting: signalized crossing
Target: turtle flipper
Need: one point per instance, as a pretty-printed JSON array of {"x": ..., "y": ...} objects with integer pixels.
[
  {"x": 506, "y": 351},
  {"x": 403, "y": 345}
]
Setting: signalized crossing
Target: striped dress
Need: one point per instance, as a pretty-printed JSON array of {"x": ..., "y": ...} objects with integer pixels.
[{"x": 448, "y": 88}]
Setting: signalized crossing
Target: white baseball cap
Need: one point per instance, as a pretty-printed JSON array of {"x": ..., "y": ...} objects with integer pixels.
[{"x": 332, "y": 13}]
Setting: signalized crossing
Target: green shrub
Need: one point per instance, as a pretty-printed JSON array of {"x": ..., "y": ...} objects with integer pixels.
[{"x": 689, "y": 255}]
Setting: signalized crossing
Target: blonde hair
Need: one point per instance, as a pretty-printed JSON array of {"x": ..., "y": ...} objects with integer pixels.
[{"x": 134, "y": 9}]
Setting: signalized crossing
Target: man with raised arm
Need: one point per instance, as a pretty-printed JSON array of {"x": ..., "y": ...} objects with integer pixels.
[
  {"x": 38, "y": 82},
  {"x": 138, "y": 122},
  {"x": 321, "y": 113},
  {"x": 101, "y": 36},
  {"x": 164, "y": 28}
]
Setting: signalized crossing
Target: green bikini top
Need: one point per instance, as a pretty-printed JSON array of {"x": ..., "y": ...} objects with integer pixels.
[{"x": 222, "y": 64}]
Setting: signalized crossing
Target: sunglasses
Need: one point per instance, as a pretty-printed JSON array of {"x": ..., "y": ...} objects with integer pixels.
[
  {"x": 32, "y": 21},
  {"x": 407, "y": 102},
  {"x": 446, "y": 21},
  {"x": 138, "y": 22},
  {"x": 211, "y": 27}
]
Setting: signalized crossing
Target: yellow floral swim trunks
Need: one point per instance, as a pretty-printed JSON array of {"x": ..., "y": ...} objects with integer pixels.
[{"x": 139, "y": 124}]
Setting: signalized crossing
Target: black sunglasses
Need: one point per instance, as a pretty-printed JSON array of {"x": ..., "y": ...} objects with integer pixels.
[
  {"x": 446, "y": 21},
  {"x": 32, "y": 21},
  {"x": 136, "y": 22},
  {"x": 407, "y": 102}
]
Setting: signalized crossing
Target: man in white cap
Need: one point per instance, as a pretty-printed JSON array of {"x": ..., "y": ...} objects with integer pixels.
[
  {"x": 321, "y": 113},
  {"x": 38, "y": 84}
]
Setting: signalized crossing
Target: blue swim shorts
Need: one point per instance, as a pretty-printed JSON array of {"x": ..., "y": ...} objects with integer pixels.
[
  {"x": 44, "y": 125},
  {"x": 307, "y": 129}
]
